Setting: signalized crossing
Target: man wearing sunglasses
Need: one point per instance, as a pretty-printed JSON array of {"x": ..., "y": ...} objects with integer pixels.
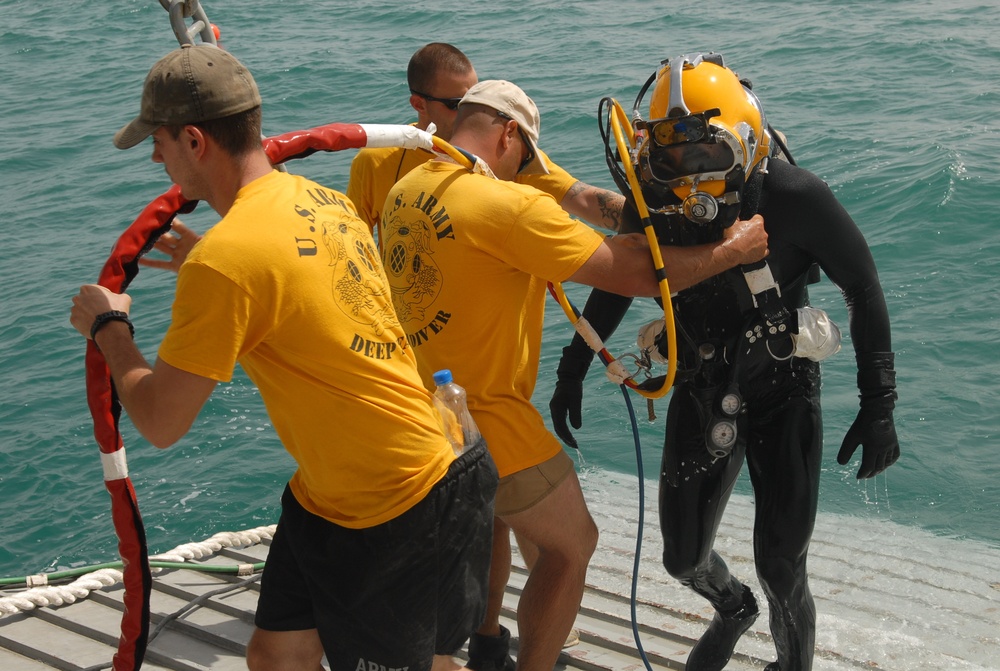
[
  {"x": 438, "y": 75},
  {"x": 468, "y": 253}
]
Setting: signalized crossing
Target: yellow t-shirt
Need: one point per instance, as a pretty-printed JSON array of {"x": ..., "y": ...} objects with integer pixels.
[
  {"x": 467, "y": 259},
  {"x": 289, "y": 286},
  {"x": 374, "y": 171}
]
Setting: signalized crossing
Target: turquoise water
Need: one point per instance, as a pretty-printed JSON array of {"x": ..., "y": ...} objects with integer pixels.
[{"x": 893, "y": 103}]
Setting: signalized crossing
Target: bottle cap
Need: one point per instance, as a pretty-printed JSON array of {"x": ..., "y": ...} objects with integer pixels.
[{"x": 442, "y": 377}]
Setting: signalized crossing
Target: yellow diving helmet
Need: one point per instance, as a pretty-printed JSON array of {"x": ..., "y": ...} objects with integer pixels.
[{"x": 705, "y": 137}]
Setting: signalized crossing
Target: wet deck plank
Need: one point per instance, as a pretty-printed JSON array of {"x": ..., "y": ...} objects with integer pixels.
[{"x": 886, "y": 596}]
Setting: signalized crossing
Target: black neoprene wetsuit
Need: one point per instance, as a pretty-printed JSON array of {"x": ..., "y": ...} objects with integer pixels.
[{"x": 780, "y": 432}]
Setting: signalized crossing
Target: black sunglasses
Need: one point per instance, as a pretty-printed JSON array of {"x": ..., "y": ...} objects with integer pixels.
[
  {"x": 524, "y": 138},
  {"x": 450, "y": 103}
]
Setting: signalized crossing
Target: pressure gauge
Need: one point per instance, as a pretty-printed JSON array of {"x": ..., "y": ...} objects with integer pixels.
[
  {"x": 730, "y": 404},
  {"x": 721, "y": 438}
]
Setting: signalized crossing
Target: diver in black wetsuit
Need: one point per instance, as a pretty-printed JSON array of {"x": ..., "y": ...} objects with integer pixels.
[{"x": 748, "y": 381}]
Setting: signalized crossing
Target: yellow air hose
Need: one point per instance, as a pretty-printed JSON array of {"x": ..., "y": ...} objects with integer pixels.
[{"x": 619, "y": 120}]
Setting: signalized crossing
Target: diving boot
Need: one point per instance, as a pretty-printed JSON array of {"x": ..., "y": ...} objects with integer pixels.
[
  {"x": 490, "y": 653},
  {"x": 716, "y": 645}
]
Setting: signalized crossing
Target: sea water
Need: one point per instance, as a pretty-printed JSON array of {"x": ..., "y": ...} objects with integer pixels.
[{"x": 892, "y": 103}]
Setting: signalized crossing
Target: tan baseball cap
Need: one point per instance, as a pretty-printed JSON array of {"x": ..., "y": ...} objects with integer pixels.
[
  {"x": 511, "y": 101},
  {"x": 191, "y": 84}
]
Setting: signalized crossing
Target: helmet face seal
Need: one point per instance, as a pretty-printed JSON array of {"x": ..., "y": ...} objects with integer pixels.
[
  {"x": 676, "y": 165},
  {"x": 710, "y": 156}
]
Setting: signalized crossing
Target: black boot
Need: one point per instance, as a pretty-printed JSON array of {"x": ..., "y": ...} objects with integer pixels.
[
  {"x": 490, "y": 653},
  {"x": 715, "y": 647}
]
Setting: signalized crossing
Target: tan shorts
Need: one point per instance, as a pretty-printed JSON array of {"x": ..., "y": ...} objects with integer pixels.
[{"x": 519, "y": 491}]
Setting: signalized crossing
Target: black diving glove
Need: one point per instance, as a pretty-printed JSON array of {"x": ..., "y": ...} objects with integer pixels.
[
  {"x": 567, "y": 399},
  {"x": 873, "y": 428}
]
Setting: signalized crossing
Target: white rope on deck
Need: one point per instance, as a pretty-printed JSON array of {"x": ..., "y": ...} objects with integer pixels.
[
  {"x": 210, "y": 546},
  {"x": 37, "y": 597},
  {"x": 51, "y": 595}
]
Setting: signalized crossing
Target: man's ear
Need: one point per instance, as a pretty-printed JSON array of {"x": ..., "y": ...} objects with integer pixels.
[
  {"x": 195, "y": 139},
  {"x": 509, "y": 130},
  {"x": 418, "y": 103}
]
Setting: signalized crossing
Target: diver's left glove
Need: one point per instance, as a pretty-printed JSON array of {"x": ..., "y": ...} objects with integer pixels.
[
  {"x": 873, "y": 429},
  {"x": 567, "y": 399}
]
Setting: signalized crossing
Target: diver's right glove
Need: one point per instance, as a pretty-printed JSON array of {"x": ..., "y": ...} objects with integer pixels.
[
  {"x": 873, "y": 428},
  {"x": 567, "y": 399}
]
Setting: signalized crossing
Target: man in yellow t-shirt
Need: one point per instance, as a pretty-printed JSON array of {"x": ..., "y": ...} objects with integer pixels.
[
  {"x": 467, "y": 256},
  {"x": 438, "y": 75},
  {"x": 364, "y": 567}
]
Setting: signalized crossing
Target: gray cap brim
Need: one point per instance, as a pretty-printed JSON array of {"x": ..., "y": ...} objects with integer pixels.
[{"x": 133, "y": 133}]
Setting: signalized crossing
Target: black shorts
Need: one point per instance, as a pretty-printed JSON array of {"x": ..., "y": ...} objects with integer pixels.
[{"x": 394, "y": 595}]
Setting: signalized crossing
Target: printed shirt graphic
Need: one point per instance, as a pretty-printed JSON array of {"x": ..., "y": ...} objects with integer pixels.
[
  {"x": 467, "y": 258},
  {"x": 289, "y": 285}
]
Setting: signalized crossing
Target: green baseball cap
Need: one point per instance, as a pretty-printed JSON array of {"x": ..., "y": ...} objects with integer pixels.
[{"x": 191, "y": 84}]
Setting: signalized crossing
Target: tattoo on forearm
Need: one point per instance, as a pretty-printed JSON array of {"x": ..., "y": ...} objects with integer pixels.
[{"x": 611, "y": 205}]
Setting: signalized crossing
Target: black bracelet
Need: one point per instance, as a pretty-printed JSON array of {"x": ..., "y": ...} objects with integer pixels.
[{"x": 101, "y": 320}]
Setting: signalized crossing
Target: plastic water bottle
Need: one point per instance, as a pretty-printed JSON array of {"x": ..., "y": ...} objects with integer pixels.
[{"x": 450, "y": 399}]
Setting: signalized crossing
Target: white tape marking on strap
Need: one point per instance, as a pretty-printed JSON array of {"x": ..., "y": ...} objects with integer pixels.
[
  {"x": 760, "y": 280},
  {"x": 395, "y": 135},
  {"x": 589, "y": 335},
  {"x": 616, "y": 372},
  {"x": 115, "y": 467}
]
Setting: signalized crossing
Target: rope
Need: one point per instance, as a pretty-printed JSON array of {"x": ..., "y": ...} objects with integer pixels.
[
  {"x": 210, "y": 546},
  {"x": 106, "y": 575},
  {"x": 38, "y": 597}
]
